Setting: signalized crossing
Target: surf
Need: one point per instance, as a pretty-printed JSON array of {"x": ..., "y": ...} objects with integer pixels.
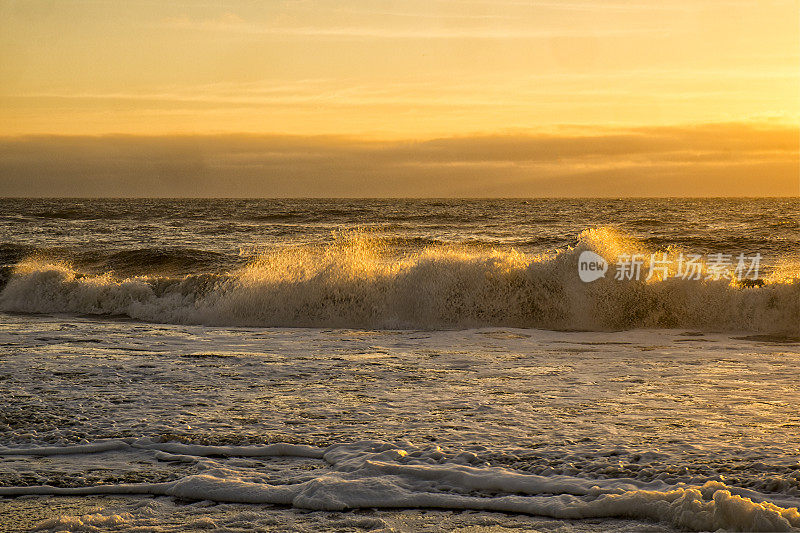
[{"x": 359, "y": 281}]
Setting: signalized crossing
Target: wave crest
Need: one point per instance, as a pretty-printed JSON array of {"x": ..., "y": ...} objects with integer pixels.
[{"x": 358, "y": 282}]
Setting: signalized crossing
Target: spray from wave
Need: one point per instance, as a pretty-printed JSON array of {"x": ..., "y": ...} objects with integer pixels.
[{"x": 357, "y": 282}]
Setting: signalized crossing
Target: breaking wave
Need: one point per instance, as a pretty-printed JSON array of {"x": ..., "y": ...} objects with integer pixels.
[{"x": 358, "y": 282}]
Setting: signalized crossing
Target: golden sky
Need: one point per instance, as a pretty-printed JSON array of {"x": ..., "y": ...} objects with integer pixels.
[{"x": 392, "y": 71}]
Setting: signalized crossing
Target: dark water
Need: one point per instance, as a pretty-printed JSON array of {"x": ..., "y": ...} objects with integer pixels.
[{"x": 153, "y": 236}]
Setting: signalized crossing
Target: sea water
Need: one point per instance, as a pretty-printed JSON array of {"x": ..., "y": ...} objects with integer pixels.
[{"x": 397, "y": 364}]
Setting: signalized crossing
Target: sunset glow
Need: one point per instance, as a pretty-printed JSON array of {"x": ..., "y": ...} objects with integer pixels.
[{"x": 403, "y": 71}]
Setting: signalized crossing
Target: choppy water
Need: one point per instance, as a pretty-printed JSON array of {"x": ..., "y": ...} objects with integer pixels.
[
  {"x": 428, "y": 264},
  {"x": 421, "y": 365},
  {"x": 193, "y": 236}
]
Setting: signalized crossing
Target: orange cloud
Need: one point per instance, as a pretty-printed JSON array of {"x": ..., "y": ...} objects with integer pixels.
[{"x": 699, "y": 160}]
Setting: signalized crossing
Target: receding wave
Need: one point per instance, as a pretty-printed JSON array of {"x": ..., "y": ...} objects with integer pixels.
[
  {"x": 380, "y": 475},
  {"x": 356, "y": 282}
]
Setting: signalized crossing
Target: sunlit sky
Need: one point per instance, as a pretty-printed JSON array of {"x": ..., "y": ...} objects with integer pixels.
[{"x": 401, "y": 73}]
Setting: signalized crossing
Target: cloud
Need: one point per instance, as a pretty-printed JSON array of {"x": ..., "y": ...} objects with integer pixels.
[
  {"x": 650, "y": 87},
  {"x": 700, "y": 160},
  {"x": 233, "y": 24}
]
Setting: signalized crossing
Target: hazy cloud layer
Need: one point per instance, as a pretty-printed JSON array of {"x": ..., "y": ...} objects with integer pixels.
[{"x": 703, "y": 160}]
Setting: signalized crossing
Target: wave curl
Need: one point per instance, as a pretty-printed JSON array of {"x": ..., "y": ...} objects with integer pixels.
[{"x": 357, "y": 282}]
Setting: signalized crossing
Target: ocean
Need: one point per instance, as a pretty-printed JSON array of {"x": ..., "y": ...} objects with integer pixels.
[{"x": 399, "y": 364}]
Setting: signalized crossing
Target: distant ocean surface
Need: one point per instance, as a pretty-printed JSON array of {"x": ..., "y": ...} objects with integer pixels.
[{"x": 399, "y": 365}]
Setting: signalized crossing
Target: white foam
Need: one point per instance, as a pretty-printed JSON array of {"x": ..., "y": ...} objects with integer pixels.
[
  {"x": 270, "y": 450},
  {"x": 586, "y": 424},
  {"x": 353, "y": 283},
  {"x": 96, "y": 447},
  {"x": 379, "y": 475}
]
